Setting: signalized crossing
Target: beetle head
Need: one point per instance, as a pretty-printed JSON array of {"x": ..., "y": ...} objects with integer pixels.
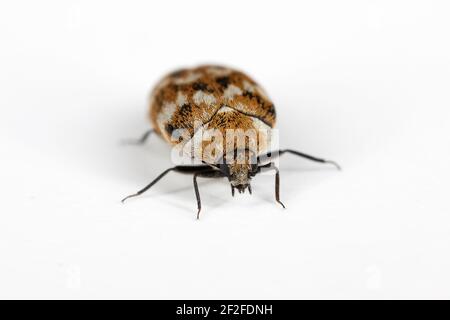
[{"x": 240, "y": 170}]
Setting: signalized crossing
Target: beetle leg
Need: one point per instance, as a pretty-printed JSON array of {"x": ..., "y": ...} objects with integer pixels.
[
  {"x": 149, "y": 185},
  {"x": 269, "y": 166},
  {"x": 277, "y": 186},
  {"x": 232, "y": 190},
  {"x": 142, "y": 139},
  {"x": 197, "y": 195},
  {"x": 204, "y": 174},
  {"x": 197, "y": 171},
  {"x": 181, "y": 169},
  {"x": 278, "y": 153}
]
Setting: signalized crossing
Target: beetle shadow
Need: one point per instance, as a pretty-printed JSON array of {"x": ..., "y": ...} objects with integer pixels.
[
  {"x": 212, "y": 193},
  {"x": 183, "y": 196}
]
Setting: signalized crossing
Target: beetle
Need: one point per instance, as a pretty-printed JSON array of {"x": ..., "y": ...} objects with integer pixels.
[{"x": 223, "y": 99}]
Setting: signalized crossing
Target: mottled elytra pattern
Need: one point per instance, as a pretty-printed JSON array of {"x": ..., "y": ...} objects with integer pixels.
[{"x": 219, "y": 97}]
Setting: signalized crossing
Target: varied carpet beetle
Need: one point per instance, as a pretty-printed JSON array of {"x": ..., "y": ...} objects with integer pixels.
[{"x": 236, "y": 113}]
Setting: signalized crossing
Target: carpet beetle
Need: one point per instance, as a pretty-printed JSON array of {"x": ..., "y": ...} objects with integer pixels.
[{"x": 236, "y": 113}]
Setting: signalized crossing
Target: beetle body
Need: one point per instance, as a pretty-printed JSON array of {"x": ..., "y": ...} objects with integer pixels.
[
  {"x": 215, "y": 98},
  {"x": 188, "y": 102}
]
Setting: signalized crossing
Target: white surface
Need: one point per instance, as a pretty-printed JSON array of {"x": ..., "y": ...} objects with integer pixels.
[{"x": 363, "y": 83}]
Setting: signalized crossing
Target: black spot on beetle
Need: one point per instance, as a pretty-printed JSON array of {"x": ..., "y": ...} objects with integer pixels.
[
  {"x": 271, "y": 110},
  {"x": 200, "y": 86},
  {"x": 260, "y": 101},
  {"x": 186, "y": 109},
  {"x": 223, "y": 81},
  {"x": 251, "y": 95},
  {"x": 248, "y": 94},
  {"x": 169, "y": 128}
]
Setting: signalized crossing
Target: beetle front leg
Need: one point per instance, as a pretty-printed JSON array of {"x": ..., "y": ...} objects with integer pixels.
[
  {"x": 277, "y": 186},
  {"x": 197, "y": 195},
  {"x": 269, "y": 166},
  {"x": 181, "y": 169},
  {"x": 204, "y": 174}
]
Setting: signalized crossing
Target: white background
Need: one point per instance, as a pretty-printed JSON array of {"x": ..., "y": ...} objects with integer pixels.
[{"x": 365, "y": 83}]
